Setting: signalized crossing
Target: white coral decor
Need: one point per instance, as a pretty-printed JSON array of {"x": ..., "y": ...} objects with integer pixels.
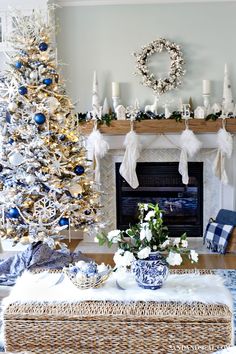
[
  {"x": 123, "y": 258},
  {"x": 174, "y": 259},
  {"x": 144, "y": 253}
]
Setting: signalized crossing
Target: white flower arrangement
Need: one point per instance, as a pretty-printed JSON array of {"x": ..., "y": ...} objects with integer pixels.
[
  {"x": 176, "y": 71},
  {"x": 149, "y": 235}
]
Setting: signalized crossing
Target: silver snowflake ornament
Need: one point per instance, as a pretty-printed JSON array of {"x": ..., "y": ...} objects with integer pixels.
[
  {"x": 44, "y": 209},
  {"x": 57, "y": 165}
]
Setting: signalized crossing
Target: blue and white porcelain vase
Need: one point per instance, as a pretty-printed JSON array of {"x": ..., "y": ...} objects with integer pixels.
[{"x": 151, "y": 273}]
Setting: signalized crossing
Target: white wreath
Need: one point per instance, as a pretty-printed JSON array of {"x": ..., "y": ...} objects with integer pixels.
[{"x": 176, "y": 71}]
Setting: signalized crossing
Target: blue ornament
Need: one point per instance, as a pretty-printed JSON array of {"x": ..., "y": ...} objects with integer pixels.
[
  {"x": 8, "y": 117},
  {"x": 80, "y": 196},
  {"x": 87, "y": 212},
  {"x": 47, "y": 81},
  {"x": 22, "y": 90},
  {"x": 79, "y": 170},
  {"x": 11, "y": 141},
  {"x": 43, "y": 47},
  {"x": 62, "y": 137},
  {"x": 13, "y": 213},
  {"x": 39, "y": 118},
  {"x": 18, "y": 64},
  {"x": 64, "y": 222}
]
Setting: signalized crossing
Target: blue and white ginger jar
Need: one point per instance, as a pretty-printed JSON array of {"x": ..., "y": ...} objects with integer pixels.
[{"x": 151, "y": 273}]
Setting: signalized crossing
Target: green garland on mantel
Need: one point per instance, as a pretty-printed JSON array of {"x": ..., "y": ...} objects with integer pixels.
[{"x": 176, "y": 115}]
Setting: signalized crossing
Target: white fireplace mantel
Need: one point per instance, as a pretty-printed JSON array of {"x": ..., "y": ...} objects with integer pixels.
[
  {"x": 171, "y": 141},
  {"x": 160, "y": 148}
]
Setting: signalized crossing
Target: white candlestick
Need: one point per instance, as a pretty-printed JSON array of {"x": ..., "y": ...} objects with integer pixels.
[
  {"x": 115, "y": 89},
  {"x": 206, "y": 87}
]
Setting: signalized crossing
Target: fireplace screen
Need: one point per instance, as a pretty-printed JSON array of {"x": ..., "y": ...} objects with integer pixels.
[{"x": 160, "y": 182}]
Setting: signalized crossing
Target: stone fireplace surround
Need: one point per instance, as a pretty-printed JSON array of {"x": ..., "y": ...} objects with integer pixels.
[{"x": 165, "y": 148}]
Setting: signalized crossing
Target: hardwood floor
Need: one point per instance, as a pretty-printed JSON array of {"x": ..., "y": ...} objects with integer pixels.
[{"x": 206, "y": 261}]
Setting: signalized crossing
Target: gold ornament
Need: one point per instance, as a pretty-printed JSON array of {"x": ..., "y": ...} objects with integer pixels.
[
  {"x": 24, "y": 240},
  {"x": 75, "y": 189}
]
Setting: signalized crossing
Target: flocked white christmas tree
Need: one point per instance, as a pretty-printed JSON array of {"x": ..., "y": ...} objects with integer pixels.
[{"x": 45, "y": 185}]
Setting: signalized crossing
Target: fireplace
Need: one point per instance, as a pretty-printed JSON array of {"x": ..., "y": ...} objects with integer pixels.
[{"x": 160, "y": 182}]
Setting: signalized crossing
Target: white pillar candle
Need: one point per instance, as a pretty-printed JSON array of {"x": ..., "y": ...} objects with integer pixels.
[
  {"x": 206, "y": 87},
  {"x": 115, "y": 89}
]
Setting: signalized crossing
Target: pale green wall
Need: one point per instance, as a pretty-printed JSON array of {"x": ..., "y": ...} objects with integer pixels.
[{"x": 102, "y": 38}]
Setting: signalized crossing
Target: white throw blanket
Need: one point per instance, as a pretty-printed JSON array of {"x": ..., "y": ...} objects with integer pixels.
[{"x": 186, "y": 288}]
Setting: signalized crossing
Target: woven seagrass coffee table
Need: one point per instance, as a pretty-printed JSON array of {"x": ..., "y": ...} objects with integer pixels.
[{"x": 117, "y": 327}]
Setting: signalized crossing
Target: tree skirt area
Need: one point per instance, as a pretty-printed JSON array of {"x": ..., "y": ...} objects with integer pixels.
[{"x": 229, "y": 276}]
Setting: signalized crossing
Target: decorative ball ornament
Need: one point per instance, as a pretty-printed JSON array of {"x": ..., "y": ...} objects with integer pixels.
[
  {"x": 62, "y": 137},
  {"x": 87, "y": 212},
  {"x": 13, "y": 213},
  {"x": 18, "y": 64},
  {"x": 30, "y": 179},
  {"x": 43, "y": 47},
  {"x": 51, "y": 104},
  {"x": 79, "y": 170},
  {"x": 75, "y": 189},
  {"x": 16, "y": 159},
  {"x": 64, "y": 222},
  {"x": 47, "y": 81},
  {"x": 39, "y": 118},
  {"x": 12, "y": 107},
  {"x": 22, "y": 90},
  {"x": 33, "y": 75},
  {"x": 176, "y": 71},
  {"x": 11, "y": 141}
]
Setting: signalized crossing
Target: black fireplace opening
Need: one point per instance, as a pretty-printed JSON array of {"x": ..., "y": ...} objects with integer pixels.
[{"x": 160, "y": 182}]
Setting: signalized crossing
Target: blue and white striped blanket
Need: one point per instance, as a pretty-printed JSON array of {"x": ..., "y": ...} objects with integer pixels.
[{"x": 216, "y": 236}]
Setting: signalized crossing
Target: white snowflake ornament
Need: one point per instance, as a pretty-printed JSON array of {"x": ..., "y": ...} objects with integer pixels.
[{"x": 44, "y": 209}]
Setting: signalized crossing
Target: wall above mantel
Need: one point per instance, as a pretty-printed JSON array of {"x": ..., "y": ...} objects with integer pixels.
[
  {"x": 201, "y": 126},
  {"x": 130, "y": 2}
]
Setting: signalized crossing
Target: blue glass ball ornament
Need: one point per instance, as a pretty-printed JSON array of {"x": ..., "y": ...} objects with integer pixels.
[
  {"x": 13, "y": 213},
  {"x": 64, "y": 222},
  {"x": 87, "y": 212},
  {"x": 8, "y": 117},
  {"x": 22, "y": 90},
  {"x": 18, "y": 64},
  {"x": 62, "y": 137},
  {"x": 11, "y": 141},
  {"x": 39, "y": 118},
  {"x": 47, "y": 81},
  {"x": 43, "y": 47},
  {"x": 79, "y": 170}
]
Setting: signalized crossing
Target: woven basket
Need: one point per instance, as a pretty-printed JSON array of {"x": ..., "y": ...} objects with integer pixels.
[
  {"x": 88, "y": 282},
  {"x": 103, "y": 327}
]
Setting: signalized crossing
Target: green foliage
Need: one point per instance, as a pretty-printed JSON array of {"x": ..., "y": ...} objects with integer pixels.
[{"x": 213, "y": 117}]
